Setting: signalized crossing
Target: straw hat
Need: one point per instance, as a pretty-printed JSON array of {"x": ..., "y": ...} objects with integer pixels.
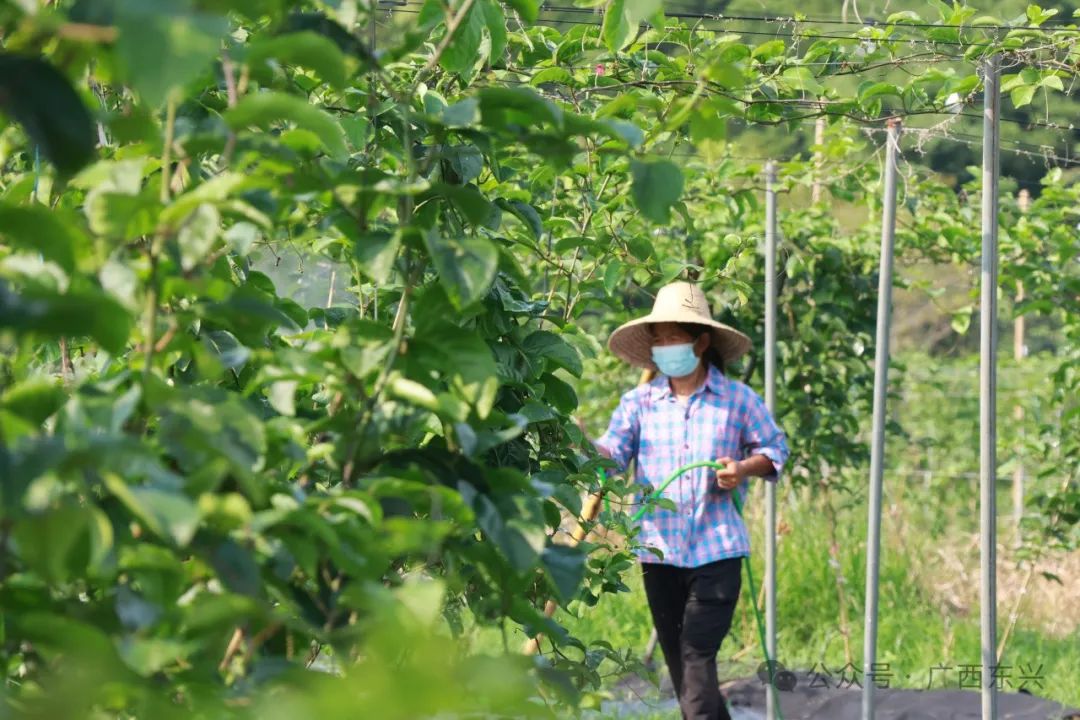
[{"x": 679, "y": 302}]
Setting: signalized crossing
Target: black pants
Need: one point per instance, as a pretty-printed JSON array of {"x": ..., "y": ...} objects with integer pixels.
[{"x": 692, "y": 609}]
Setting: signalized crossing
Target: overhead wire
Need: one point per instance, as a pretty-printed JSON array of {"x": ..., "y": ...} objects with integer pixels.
[
  {"x": 1044, "y": 152},
  {"x": 741, "y": 31},
  {"x": 795, "y": 20},
  {"x": 1027, "y": 124}
]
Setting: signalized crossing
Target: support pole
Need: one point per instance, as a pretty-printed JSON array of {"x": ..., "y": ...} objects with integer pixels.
[
  {"x": 1024, "y": 202},
  {"x": 988, "y": 385},
  {"x": 770, "y": 403},
  {"x": 881, "y": 390}
]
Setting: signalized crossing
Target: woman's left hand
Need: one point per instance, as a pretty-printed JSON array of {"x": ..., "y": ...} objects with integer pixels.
[{"x": 731, "y": 475}]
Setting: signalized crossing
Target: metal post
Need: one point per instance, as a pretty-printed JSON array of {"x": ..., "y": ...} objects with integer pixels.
[
  {"x": 988, "y": 386},
  {"x": 881, "y": 389},
  {"x": 770, "y": 403},
  {"x": 1024, "y": 202}
]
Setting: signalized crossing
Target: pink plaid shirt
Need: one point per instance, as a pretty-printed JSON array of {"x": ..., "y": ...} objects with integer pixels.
[{"x": 722, "y": 417}]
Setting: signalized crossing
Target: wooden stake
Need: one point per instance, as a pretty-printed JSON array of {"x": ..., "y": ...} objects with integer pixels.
[
  {"x": 589, "y": 512},
  {"x": 1024, "y": 201},
  {"x": 819, "y": 159}
]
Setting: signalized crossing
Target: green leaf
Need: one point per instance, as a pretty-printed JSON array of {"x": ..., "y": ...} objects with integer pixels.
[
  {"x": 306, "y": 49},
  {"x": 768, "y": 50},
  {"x": 613, "y": 275},
  {"x": 236, "y": 569},
  {"x": 432, "y": 12},
  {"x": 1037, "y": 16},
  {"x": 197, "y": 235},
  {"x": 1054, "y": 82},
  {"x": 230, "y": 353},
  {"x": 150, "y": 655},
  {"x": 461, "y": 114},
  {"x": 464, "y": 50},
  {"x": 166, "y": 512},
  {"x": 559, "y": 394},
  {"x": 163, "y": 45},
  {"x": 727, "y": 74},
  {"x": 545, "y": 344},
  {"x": 466, "y": 265},
  {"x": 283, "y": 397},
  {"x": 498, "y": 104},
  {"x": 77, "y": 313},
  {"x": 961, "y": 319},
  {"x": 622, "y": 18},
  {"x": 376, "y": 252},
  {"x": 1009, "y": 82},
  {"x": 1022, "y": 95},
  {"x": 527, "y": 10},
  {"x": 630, "y": 133},
  {"x": 58, "y": 544},
  {"x": 656, "y": 187},
  {"x": 868, "y": 91},
  {"x": 356, "y": 130},
  {"x": 333, "y": 31},
  {"x": 465, "y": 359},
  {"x": 262, "y": 109},
  {"x": 616, "y": 26},
  {"x": 526, "y": 214},
  {"x": 42, "y": 100},
  {"x": 423, "y": 599},
  {"x": 120, "y": 216},
  {"x": 469, "y": 201},
  {"x": 38, "y": 229},
  {"x": 60, "y": 634},
  {"x": 413, "y": 392},
  {"x": 250, "y": 313},
  {"x": 707, "y": 126},
  {"x": 33, "y": 399},
  {"x": 558, "y": 75},
  {"x": 905, "y": 16},
  {"x": 466, "y": 161},
  {"x": 522, "y": 543},
  {"x": 565, "y": 566},
  {"x": 802, "y": 78},
  {"x": 495, "y": 21}
]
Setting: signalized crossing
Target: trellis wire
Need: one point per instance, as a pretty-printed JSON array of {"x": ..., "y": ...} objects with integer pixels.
[
  {"x": 779, "y": 34},
  {"x": 791, "y": 20}
]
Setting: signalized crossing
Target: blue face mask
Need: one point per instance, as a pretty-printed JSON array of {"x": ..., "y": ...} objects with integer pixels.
[{"x": 675, "y": 360}]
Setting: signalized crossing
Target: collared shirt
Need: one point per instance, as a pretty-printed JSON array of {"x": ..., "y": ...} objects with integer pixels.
[{"x": 651, "y": 426}]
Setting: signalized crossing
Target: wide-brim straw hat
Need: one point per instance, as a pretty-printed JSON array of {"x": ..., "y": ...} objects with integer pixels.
[{"x": 679, "y": 302}]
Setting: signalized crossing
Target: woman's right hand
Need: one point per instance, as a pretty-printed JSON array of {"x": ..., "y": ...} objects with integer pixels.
[{"x": 731, "y": 475}]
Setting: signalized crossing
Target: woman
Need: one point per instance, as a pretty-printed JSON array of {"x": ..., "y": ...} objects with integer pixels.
[{"x": 691, "y": 411}]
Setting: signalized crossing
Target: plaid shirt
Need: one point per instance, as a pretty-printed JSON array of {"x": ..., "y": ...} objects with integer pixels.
[{"x": 722, "y": 417}]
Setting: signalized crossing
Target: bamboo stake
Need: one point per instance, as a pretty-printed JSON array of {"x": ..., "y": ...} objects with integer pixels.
[
  {"x": 589, "y": 512},
  {"x": 1024, "y": 201}
]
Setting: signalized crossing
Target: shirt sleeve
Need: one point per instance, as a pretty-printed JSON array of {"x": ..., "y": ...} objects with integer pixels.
[
  {"x": 621, "y": 438},
  {"x": 762, "y": 436}
]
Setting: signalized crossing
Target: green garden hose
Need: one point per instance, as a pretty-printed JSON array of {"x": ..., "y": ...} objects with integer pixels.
[{"x": 749, "y": 573}]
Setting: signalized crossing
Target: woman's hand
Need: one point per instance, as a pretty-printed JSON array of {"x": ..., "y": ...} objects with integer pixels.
[{"x": 731, "y": 475}]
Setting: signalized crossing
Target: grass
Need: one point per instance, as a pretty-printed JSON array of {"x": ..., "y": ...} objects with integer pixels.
[
  {"x": 918, "y": 633},
  {"x": 928, "y": 591}
]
